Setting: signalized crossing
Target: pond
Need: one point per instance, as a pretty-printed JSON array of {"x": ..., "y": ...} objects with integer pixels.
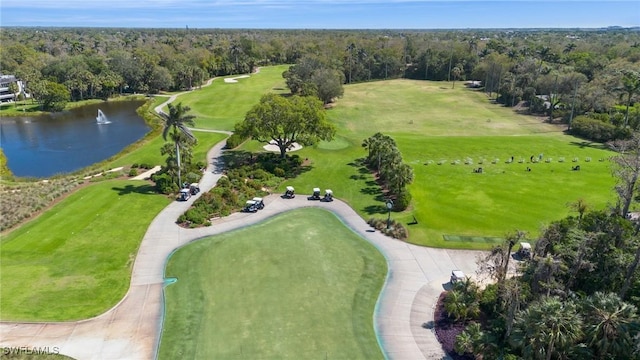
[{"x": 45, "y": 145}]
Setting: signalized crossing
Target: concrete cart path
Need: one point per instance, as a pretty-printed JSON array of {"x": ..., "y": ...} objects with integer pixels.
[{"x": 131, "y": 329}]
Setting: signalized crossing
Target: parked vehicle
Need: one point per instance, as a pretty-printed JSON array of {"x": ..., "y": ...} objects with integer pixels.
[
  {"x": 457, "y": 275},
  {"x": 259, "y": 203},
  {"x": 184, "y": 195},
  {"x": 250, "y": 206},
  {"x": 194, "y": 188},
  {"x": 328, "y": 195},
  {"x": 316, "y": 194},
  {"x": 525, "y": 250},
  {"x": 290, "y": 193}
]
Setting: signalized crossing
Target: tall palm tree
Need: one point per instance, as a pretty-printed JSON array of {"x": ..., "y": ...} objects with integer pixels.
[
  {"x": 547, "y": 328},
  {"x": 611, "y": 325},
  {"x": 400, "y": 177},
  {"x": 456, "y": 71},
  {"x": 175, "y": 126}
]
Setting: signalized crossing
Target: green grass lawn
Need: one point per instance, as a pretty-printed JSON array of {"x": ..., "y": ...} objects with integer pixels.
[
  {"x": 149, "y": 153},
  {"x": 75, "y": 260},
  {"x": 297, "y": 286},
  {"x": 220, "y": 105},
  {"x": 432, "y": 122}
]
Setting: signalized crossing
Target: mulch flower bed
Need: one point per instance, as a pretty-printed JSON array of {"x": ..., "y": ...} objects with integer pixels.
[{"x": 447, "y": 330}]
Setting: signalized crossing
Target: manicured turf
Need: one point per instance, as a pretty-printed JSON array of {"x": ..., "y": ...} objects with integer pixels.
[
  {"x": 298, "y": 286},
  {"x": 75, "y": 260},
  {"x": 432, "y": 122},
  {"x": 220, "y": 105},
  {"x": 150, "y": 152}
]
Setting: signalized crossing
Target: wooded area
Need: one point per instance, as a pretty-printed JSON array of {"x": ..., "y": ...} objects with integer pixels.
[{"x": 589, "y": 76}]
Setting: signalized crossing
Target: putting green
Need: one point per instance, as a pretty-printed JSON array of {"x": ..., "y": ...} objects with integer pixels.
[
  {"x": 297, "y": 286},
  {"x": 337, "y": 143}
]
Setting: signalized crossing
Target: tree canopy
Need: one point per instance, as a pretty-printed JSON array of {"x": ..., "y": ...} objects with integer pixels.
[{"x": 287, "y": 120}]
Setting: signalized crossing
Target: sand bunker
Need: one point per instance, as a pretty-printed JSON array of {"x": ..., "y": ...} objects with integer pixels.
[
  {"x": 274, "y": 148},
  {"x": 235, "y": 79}
]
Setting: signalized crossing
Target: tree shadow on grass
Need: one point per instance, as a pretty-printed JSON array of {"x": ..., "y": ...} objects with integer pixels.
[
  {"x": 589, "y": 144},
  {"x": 145, "y": 189},
  {"x": 375, "y": 209}
]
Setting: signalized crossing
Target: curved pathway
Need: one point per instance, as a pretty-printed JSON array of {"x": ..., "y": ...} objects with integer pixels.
[{"x": 131, "y": 329}]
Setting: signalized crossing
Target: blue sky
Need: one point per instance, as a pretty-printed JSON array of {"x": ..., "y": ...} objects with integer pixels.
[{"x": 320, "y": 14}]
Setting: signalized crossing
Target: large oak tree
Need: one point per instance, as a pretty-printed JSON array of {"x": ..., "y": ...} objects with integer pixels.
[{"x": 287, "y": 120}]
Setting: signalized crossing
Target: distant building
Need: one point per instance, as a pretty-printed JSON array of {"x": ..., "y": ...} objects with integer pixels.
[{"x": 5, "y": 93}]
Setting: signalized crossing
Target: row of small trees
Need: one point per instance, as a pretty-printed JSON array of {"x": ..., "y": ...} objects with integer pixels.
[{"x": 386, "y": 160}]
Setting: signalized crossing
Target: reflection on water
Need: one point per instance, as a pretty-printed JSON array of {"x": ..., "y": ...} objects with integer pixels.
[{"x": 68, "y": 141}]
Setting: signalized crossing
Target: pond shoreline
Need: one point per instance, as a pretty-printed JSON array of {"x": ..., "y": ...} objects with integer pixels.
[{"x": 74, "y": 144}]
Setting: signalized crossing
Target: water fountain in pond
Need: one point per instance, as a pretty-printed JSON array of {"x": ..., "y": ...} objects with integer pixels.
[{"x": 102, "y": 118}]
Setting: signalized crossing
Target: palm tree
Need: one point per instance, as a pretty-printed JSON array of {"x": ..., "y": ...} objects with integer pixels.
[
  {"x": 400, "y": 178},
  {"x": 456, "y": 71},
  {"x": 547, "y": 328},
  {"x": 569, "y": 48},
  {"x": 175, "y": 126},
  {"x": 580, "y": 206},
  {"x": 611, "y": 325}
]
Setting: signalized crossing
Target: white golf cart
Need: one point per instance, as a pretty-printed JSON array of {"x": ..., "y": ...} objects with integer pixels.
[
  {"x": 316, "y": 194},
  {"x": 184, "y": 195},
  {"x": 259, "y": 203},
  {"x": 250, "y": 206},
  {"x": 290, "y": 193},
  {"x": 328, "y": 195},
  {"x": 457, "y": 275},
  {"x": 524, "y": 252}
]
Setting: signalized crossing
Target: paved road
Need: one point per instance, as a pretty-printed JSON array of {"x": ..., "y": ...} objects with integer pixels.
[{"x": 131, "y": 329}]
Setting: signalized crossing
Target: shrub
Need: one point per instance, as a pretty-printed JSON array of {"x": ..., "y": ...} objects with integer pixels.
[
  {"x": 133, "y": 172},
  {"x": 396, "y": 230},
  {"x": 196, "y": 216},
  {"x": 596, "y": 130},
  {"x": 279, "y": 172},
  {"x": 192, "y": 177},
  {"x": 234, "y": 141},
  {"x": 402, "y": 201},
  {"x": 164, "y": 184}
]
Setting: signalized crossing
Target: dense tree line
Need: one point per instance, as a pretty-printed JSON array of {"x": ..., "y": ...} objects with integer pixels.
[
  {"x": 384, "y": 158},
  {"x": 574, "y": 299},
  {"x": 559, "y": 73}
]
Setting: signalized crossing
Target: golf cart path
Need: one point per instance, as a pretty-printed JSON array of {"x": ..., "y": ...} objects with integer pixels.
[{"x": 131, "y": 329}]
